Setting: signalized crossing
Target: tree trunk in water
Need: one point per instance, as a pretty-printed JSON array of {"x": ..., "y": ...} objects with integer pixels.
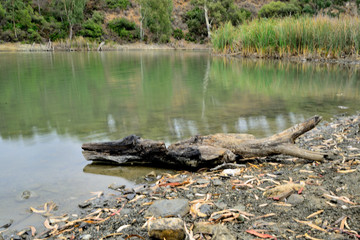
[{"x": 203, "y": 151}]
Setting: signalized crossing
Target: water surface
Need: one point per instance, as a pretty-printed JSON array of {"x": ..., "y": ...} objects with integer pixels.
[{"x": 50, "y": 103}]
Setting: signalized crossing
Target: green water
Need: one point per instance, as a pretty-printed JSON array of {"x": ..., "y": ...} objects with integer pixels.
[{"x": 50, "y": 103}]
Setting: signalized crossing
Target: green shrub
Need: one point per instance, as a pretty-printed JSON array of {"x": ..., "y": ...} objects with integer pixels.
[
  {"x": 278, "y": 9},
  {"x": 237, "y": 16},
  {"x": 189, "y": 37},
  {"x": 195, "y": 20},
  {"x": 122, "y": 4},
  {"x": 98, "y": 17},
  {"x": 164, "y": 38},
  {"x": 33, "y": 35},
  {"x": 178, "y": 34},
  {"x": 124, "y": 28},
  {"x": 308, "y": 9},
  {"x": 2, "y": 12},
  {"x": 91, "y": 29}
]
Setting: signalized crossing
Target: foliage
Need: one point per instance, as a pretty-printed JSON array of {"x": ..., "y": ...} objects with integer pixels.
[
  {"x": 222, "y": 11},
  {"x": 331, "y": 8},
  {"x": 157, "y": 15},
  {"x": 195, "y": 21},
  {"x": 2, "y": 12},
  {"x": 124, "y": 28},
  {"x": 92, "y": 27},
  {"x": 178, "y": 34},
  {"x": 121, "y": 4},
  {"x": 278, "y": 9},
  {"x": 72, "y": 11},
  {"x": 318, "y": 37}
]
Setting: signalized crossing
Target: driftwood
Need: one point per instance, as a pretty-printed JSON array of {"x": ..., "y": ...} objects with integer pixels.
[{"x": 203, "y": 151}]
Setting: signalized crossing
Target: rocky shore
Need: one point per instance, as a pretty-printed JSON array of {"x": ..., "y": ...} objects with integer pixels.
[{"x": 269, "y": 198}]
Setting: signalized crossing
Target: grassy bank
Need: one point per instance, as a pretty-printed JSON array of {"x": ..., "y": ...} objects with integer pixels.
[{"x": 310, "y": 37}]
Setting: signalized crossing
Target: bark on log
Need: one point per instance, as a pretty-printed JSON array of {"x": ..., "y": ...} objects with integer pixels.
[{"x": 200, "y": 151}]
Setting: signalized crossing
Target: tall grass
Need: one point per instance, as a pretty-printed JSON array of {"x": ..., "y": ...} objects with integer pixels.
[
  {"x": 304, "y": 36},
  {"x": 224, "y": 37}
]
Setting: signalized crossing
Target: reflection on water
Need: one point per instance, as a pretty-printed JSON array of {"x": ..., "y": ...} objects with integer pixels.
[
  {"x": 134, "y": 174},
  {"x": 52, "y": 102}
]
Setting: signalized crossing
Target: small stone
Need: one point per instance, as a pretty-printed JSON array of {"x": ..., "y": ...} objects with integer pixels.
[
  {"x": 130, "y": 196},
  {"x": 206, "y": 209},
  {"x": 217, "y": 182},
  {"x": 86, "y": 237},
  {"x": 167, "y": 228},
  {"x": 166, "y": 208},
  {"x": 221, "y": 205},
  {"x": 204, "y": 228},
  {"x": 239, "y": 207},
  {"x": 84, "y": 204},
  {"x": 190, "y": 196},
  {"x": 221, "y": 232},
  {"x": 202, "y": 181},
  {"x": 151, "y": 174},
  {"x": 318, "y": 221},
  {"x": 26, "y": 194},
  {"x": 116, "y": 187},
  {"x": 295, "y": 199}
]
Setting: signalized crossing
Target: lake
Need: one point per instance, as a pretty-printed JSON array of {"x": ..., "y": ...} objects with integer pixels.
[{"x": 50, "y": 103}]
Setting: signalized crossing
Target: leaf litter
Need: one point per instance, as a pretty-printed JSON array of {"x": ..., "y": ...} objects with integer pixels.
[{"x": 271, "y": 198}]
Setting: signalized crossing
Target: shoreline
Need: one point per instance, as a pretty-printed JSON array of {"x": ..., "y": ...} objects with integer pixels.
[
  {"x": 60, "y": 47},
  {"x": 177, "y": 45},
  {"x": 295, "y": 59},
  {"x": 232, "y": 203}
]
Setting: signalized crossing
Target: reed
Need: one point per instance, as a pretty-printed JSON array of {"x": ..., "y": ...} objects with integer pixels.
[
  {"x": 224, "y": 38},
  {"x": 309, "y": 37}
]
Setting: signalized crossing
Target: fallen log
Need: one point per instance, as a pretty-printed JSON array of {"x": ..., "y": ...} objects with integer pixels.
[{"x": 203, "y": 151}]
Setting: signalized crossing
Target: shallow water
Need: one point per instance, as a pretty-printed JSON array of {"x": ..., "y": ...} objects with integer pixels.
[{"x": 50, "y": 103}]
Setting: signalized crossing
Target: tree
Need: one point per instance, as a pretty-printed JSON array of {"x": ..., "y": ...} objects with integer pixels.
[
  {"x": 221, "y": 11},
  {"x": 72, "y": 11},
  {"x": 156, "y": 15},
  {"x": 12, "y": 8}
]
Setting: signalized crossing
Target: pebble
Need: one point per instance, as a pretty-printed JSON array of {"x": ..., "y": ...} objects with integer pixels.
[
  {"x": 116, "y": 187},
  {"x": 130, "y": 196},
  {"x": 221, "y": 232},
  {"x": 167, "y": 228},
  {"x": 202, "y": 181},
  {"x": 239, "y": 207},
  {"x": 204, "y": 228},
  {"x": 190, "y": 196},
  {"x": 84, "y": 204},
  {"x": 86, "y": 237},
  {"x": 165, "y": 208},
  {"x": 217, "y": 182},
  {"x": 295, "y": 199},
  {"x": 221, "y": 205},
  {"x": 206, "y": 209},
  {"x": 26, "y": 194}
]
